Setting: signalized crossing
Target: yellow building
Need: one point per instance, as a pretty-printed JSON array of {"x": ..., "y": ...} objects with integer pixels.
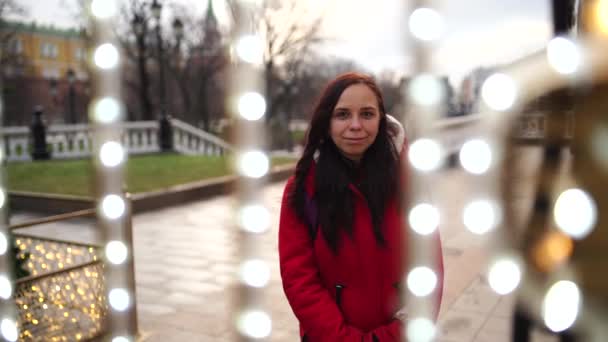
[{"x": 44, "y": 51}]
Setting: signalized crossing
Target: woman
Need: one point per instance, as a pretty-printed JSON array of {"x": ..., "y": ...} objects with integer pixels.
[{"x": 340, "y": 239}]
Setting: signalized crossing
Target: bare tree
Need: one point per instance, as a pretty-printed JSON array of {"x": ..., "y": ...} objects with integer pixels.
[
  {"x": 290, "y": 32},
  {"x": 197, "y": 66}
]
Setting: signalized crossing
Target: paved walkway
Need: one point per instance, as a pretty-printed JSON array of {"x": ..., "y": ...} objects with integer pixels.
[{"x": 186, "y": 265}]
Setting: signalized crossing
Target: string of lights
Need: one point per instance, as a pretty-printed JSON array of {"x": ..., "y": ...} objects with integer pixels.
[
  {"x": 247, "y": 104},
  {"x": 8, "y": 326},
  {"x": 114, "y": 212},
  {"x": 425, "y": 94}
]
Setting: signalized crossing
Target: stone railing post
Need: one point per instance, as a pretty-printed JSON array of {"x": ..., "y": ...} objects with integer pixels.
[
  {"x": 38, "y": 134},
  {"x": 165, "y": 134}
]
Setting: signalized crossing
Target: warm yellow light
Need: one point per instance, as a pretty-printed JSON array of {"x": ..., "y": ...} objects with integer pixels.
[{"x": 601, "y": 15}]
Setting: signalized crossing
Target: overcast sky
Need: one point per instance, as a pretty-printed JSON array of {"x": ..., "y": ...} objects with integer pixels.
[{"x": 478, "y": 32}]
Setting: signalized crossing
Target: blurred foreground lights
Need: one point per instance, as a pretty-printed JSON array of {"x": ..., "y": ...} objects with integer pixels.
[
  {"x": 250, "y": 49},
  {"x": 6, "y": 289},
  {"x": 504, "y": 276},
  {"x": 426, "y": 90},
  {"x": 254, "y": 324},
  {"x": 3, "y": 243},
  {"x": 252, "y": 106},
  {"x": 2, "y": 197},
  {"x": 425, "y": 154},
  {"x": 106, "y": 56},
  {"x": 421, "y": 281},
  {"x": 253, "y": 164},
  {"x": 601, "y": 15},
  {"x": 575, "y": 213},
  {"x": 116, "y": 252},
  {"x": 599, "y": 141},
  {"x": 254, "y": 218},
  {"x": 119, "y": 299},
  {"x": 113, "y": 206},
  {"x": 121, "y": 339},
  {"x": 480, "y": 216},
  {"x": 499, "y": 92},
  {"x": 563, "y": 55},
  {"x": 475, "y": 156},
  {"x": 426, "y": 24},
  {"x": 106, "y": 110},
  {"x": 9, "y": 329},
  {"x": 420, "y": 330},
  {"x": 111, "y": 154},
  {"x": 103, "y": 9},
  {"x": 561, "y": 305},
  {"x": 424, "y": 218},
  {"x": 255, "y": 273}
]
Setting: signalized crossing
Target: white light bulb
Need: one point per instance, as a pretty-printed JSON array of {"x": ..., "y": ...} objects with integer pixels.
[
  {"x": 107, "y": 110},
  {"x": 421, "y": 281},
  {"x": 420, "y": 330},
  {"x": 426, "y": 90},
  {"x": 425, "y": 154},
  {"x": 3, "y": 243},
  {"x": 116, "y": 252},
  {"x": 106, "y": 56},
  {"x": 475, "y": 156},
  {"x": 121, "y": 339},
  {"x": 424, "y": 218},
  {"x": 254, "y": 218},
  {"x": 119, "y": 299},
  {"x": 253, "y": 164},
  {"x": 504, "y": 276},
  {"x": 111, "y": 154},
  {"x": 426, "y": 24},
  {"x": 252, "y": 106},
  {"x": 563, "y": 55},
  {"x": 575, "y": 213},
  {"x": 104, "y": 9},
  {"x": 254, "y": 324},
  {"x": 561, "y": 305},
  {"x": 250, "y": 49},
  {"x": 113, "y": 206},
  {"x": 6, "y": 288},
  {"x": 480, "y": 216},
  {"x": 255, "y": 273},
  {"x": 9, "y": 330},
  {"x": 499, "y": 92}
]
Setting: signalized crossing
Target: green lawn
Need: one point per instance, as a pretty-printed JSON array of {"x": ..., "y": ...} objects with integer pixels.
[{"x": 143, "y": 173}]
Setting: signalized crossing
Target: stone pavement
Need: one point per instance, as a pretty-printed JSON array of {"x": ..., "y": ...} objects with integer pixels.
[{"x": 185, "y": 262}]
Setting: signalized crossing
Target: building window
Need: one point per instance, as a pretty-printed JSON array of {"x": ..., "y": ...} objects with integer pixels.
[
  {"x": 79, "y": 54},
  {"x": 48, "y": 50},
  {"x": 15, "y": 46}
]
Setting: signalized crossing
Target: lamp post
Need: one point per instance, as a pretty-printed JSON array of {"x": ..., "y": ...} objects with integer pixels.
[
  {"x": 71, "y": 76},
  {"x": 140, "y": 29},
  {"x": 165, "y": 134}
]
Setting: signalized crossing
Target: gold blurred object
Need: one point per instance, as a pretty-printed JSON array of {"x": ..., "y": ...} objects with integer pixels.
[
  {"x": 593, "y": 18},
  {"x": 551, "y": 251}
]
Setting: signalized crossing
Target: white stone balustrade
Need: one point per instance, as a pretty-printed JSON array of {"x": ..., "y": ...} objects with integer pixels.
[{"x": 74, "y": 141}]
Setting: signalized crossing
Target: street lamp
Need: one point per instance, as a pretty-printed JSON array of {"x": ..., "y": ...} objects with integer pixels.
[
  {"x": 71, "y": 76},
  {"x": 166, "y": 134},
  {"x": 178, "y": 29}
]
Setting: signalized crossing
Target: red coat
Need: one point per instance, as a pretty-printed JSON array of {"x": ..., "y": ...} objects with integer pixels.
[{"x": 368, "y": 274}]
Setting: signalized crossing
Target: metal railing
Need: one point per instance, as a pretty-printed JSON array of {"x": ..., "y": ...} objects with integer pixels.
[{"x": 63, "y": 297}]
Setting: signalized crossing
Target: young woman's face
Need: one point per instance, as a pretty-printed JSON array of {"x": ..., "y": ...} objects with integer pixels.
[{"x": 355, "y": 121}]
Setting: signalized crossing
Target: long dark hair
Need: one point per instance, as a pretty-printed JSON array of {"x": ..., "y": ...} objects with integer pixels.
[{"x": 334, "y": 172}]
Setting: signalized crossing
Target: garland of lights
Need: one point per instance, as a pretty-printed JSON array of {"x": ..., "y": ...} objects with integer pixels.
[
  {"x": 247, "y": 104},
  {"x": 425, "y": 93},
  {"x": 109, "y": 156}
]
